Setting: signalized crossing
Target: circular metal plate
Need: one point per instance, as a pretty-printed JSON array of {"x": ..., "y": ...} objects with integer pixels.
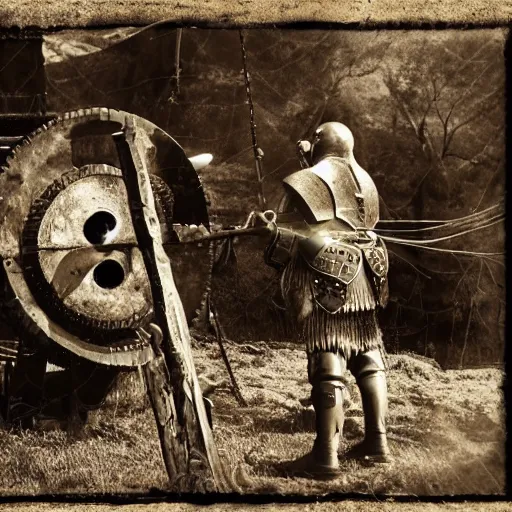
[{"x": 63, "y": 194}]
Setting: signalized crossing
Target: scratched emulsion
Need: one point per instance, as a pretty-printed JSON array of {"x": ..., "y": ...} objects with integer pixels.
[
  {"x": 22, "y": 13},
  {"x": 252, "y": 12}
]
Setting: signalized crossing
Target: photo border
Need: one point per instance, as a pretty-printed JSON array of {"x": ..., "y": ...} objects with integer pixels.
[{"x": 321, "y": 14}]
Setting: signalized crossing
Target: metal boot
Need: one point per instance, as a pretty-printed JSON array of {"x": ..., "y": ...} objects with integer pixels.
[
  {"x": 322, "y": 461},
  {"x": 374, "y": 447},
  {"x": 328, "y": 403},
  {"x": 369, "y": 370}
]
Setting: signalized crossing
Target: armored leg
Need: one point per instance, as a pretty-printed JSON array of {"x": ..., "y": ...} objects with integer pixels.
[
  {"x": 325, "y": 371},
  {"x": 368, "y": 369}
]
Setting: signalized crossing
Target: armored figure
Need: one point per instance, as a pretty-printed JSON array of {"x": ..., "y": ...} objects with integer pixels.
[{"x": 333, "y": 278}]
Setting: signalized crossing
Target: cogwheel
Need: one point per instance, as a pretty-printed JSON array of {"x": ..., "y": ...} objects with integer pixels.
[{"x": 43, "y": 214}]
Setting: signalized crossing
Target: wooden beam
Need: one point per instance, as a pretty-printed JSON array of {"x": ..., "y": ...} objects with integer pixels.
[{"x": 186, "y": 439}]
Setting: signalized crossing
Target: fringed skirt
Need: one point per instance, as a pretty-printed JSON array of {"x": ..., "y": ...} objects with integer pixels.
[{"x": 353, "y": 329}]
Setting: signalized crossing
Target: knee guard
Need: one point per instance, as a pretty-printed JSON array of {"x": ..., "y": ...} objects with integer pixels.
[
  {"x": 325, "y": 366},
  {"x": 367, "y": 363},
  {"x": 327, "y": 394}
]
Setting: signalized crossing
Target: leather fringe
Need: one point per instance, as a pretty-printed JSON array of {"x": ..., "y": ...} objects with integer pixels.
[
  {"x": 360, "y": 296},
  {"x": 354, "y": 328},
  {"x": 342, "y": 333}
]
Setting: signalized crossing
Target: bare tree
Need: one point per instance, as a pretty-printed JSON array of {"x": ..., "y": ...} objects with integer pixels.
[{"x": 450, "y": 96}]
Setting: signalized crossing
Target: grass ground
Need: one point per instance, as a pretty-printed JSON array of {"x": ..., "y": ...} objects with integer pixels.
[{"x": 446, "y": 431}]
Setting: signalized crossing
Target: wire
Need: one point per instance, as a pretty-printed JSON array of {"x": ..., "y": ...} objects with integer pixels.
[
  {"x": 443, "y": 238},
  {"x": 445, "y": 224},
  {"x": 450, "y": 251},
  {"x": 438, "y": 222}
]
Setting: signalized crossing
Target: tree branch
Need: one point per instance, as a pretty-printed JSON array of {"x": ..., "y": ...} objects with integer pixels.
[
  {"x": 471, "y": 118},
  {"x": 487, "y": 185}
]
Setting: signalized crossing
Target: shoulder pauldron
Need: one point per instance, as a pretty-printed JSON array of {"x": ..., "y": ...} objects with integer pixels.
[{"x": 331, "y": 189}]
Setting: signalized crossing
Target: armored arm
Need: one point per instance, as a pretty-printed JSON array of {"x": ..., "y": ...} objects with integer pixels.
[{"x": 279, "y": 251}]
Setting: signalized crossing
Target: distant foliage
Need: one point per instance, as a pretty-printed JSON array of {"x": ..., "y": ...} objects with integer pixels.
[
  {"x": 427, "y": 112},
  {"x": 230, "y": 189}
]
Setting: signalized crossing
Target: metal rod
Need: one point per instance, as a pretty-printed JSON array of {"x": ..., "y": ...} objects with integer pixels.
[
  {"x": 7, "y": 389},
  {"x": 220, "y": 340},
  {"x": 219, "y": 235},
  {"x": 258, "y": 153},
  {"x": 8, "y": 351}
]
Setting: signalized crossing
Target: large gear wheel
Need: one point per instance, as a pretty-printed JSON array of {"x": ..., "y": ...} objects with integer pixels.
[{"x": 63, "y": 197}]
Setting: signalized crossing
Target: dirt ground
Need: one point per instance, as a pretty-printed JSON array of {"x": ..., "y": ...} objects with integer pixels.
[{"x": 446, "y": 432}]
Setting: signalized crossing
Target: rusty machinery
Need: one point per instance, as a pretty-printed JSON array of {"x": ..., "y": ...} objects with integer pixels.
[{"x": 74, "y": 285}]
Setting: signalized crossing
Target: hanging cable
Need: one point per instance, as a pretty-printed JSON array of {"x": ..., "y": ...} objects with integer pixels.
[
  {"x": 426, "y": 241},
  {"x": 474, "y": 219},
  {"x": 440, "y": 239},
  {"x": 437, "y": 223},
  {"x": 258, "y": 152},
  {"x": 438, "y": 249},
  {"x": 437, "y": 230}
]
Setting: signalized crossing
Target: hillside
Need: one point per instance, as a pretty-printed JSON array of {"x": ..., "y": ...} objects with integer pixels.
[{"x": 446, "y": 431}]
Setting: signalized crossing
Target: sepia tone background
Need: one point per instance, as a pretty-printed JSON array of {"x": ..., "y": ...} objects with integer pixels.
[
  {"x": 427, "y": 111},
  {"x": 46, "y": 14}
]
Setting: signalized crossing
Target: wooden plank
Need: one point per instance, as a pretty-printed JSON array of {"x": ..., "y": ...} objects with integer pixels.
[{"x": 187, "y": 441}]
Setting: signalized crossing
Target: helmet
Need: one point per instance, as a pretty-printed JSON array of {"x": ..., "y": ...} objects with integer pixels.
[{"x": 332, "y": 139}]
